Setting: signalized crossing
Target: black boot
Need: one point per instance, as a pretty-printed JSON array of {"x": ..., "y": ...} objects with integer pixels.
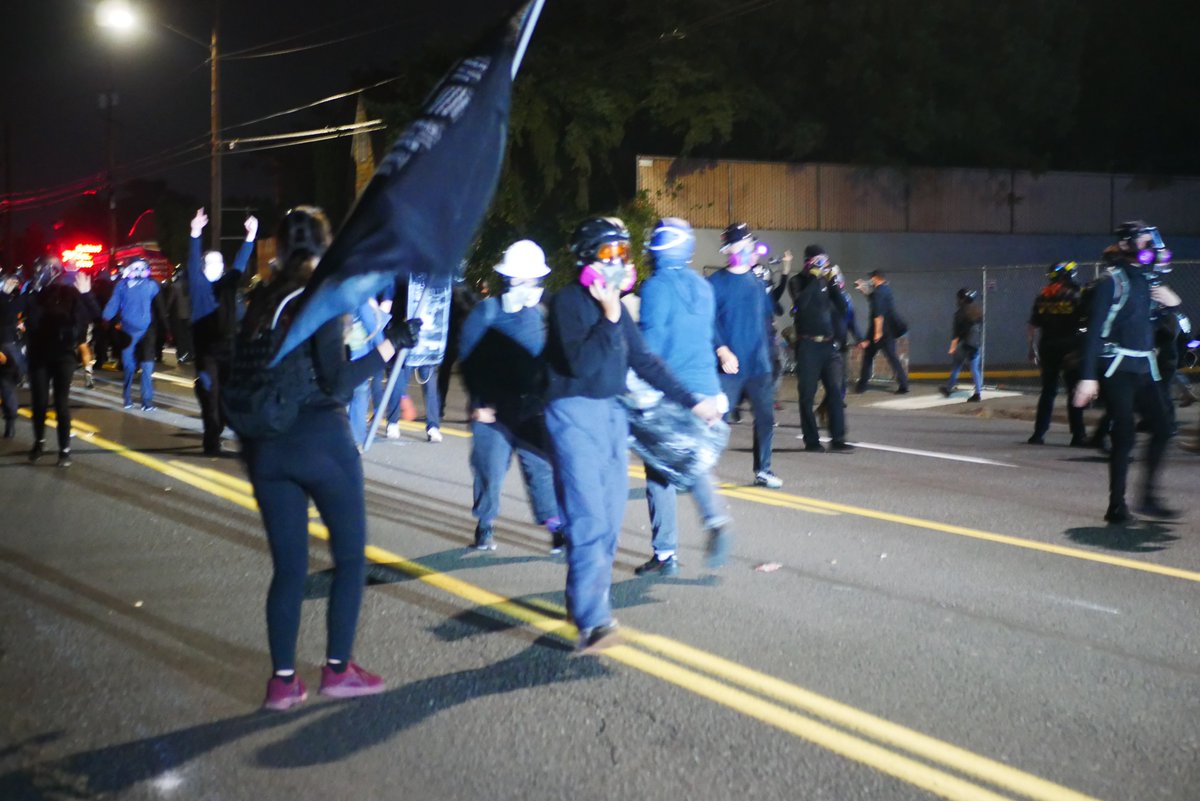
[
  {"x": 37, "y": 450},
  {"x": 10, "y": 428}
]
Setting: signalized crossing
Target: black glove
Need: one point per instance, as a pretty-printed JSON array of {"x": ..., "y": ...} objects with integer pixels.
[{"x": 403, "y": 333}]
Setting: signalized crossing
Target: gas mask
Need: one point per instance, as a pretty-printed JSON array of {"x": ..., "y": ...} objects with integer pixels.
[
  {"x": 214, "y": 266},
  {"x": 1155, "y": 254},
  {"x": 613, "y": 266},
  {"x": 525, "y": 296},
  {"x": 819, "y": 266}
]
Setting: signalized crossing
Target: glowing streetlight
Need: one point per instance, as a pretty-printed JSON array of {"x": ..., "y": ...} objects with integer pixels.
[{"x": 117, "y": 16}]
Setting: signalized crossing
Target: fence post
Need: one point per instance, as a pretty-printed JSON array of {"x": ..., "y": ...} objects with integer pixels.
[{"x": 983, "y": 333}]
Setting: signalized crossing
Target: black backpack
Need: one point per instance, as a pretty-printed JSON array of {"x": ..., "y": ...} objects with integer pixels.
[{"x": 259, "y": 401}]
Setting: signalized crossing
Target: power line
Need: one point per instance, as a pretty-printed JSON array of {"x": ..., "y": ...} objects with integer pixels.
[
  {"x": 308, "y": 141},
  {"x": 317, "y": 45}
]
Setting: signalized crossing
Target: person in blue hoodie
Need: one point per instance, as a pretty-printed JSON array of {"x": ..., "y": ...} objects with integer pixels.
[
  {"x": 500, "y": 350},
  {"x": 135, "y": 299},
  {"x": 213, "y": 292},
  {"x": 364, "y": 332},
  {"x": 677, "y": 318}
]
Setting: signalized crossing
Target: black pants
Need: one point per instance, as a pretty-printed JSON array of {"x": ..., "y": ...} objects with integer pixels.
[
  {"x": 1052, "y": 358},
  {"x": 316, "y": 459},
  {"x": 42, "y": 376},
  {"x": 8, "y": 391},
  {"x": 888, "y": 346},
  {"x": 1125, "y": 393},
  {"x": 820, "y": 362},
  {"x": 211, "y": 373}
]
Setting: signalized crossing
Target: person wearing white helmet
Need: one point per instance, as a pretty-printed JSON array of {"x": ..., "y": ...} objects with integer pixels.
[{"x": 500, "y": 350}]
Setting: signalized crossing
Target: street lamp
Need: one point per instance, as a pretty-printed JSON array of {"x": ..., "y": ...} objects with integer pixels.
[
  {"x": 121, "y": 18},
  {"x": 118, "y": 17}
]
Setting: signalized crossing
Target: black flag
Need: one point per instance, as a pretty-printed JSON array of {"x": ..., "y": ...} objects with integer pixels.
[{"x": 421, "y": 209}]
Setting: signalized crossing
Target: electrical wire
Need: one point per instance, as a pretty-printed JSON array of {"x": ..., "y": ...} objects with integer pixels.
[
  {"x": 357, "y": 127},
  {"x": 315, "y": 46},
  {"x": 314, "y": 104},
  {"x": 308, "y": 141}
]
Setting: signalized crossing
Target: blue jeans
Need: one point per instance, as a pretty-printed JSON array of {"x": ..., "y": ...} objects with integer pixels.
[
  {"x": 492, "y": 446},
  {"x": 760, "y": 390},
  {"x": 130, "y": 364},
  {"x": 661, "y": 500},
  {"x": 964, "y": 355},
  {"x": 433, "y": 405},
  {"x": 357, "y": 410},
  {"x": 591, "y": 462}
]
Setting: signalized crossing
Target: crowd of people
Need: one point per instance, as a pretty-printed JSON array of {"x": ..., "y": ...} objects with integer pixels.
[{"x": 547, "y": 380}]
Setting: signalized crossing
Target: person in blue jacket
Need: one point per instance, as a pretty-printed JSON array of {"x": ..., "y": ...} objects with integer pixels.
[
  {"x": 364, "y": 332},
  {"x": 742, "y": 346},
  {"x": 591, "y": 344},
  {"x": 135, "y": 300},
  {"x": 677, "y": 317},
  {"x": 213, "y": 292},
  {"x": 500, "y": 349}
]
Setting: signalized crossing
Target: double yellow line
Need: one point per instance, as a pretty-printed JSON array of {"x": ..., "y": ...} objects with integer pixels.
[{"x": 934, "y": 765}]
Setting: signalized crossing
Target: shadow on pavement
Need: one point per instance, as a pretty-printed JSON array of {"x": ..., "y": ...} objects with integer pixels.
[
  {"x": 1143, "y": 538},
  {"x": 327, "y": 731}
]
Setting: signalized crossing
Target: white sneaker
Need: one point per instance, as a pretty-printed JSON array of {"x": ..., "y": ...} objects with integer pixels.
[
  {"x": 765, "y": 478},
  {"x": 393, "y": 431},
  {"x": 433, "y": 435}
]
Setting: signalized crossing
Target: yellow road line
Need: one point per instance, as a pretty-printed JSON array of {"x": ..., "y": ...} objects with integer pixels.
[
  {"x": 988, "y": 536},
  {"x": 738, "y": 699}
]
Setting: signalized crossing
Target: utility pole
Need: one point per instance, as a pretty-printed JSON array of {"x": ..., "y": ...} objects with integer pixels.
[
  {"x": 9, "y": 257},
  {"x": 110, "y": 100},
  {"x": 214, "y": 212}
]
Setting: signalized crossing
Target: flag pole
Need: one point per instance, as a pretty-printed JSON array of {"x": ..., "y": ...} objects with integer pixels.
[
  {"x": 527, "y": 26},
  {"x": 381, "y": 407}
]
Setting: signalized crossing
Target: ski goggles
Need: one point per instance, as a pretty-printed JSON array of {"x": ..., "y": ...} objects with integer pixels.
[{"x": 614, "y": 251}]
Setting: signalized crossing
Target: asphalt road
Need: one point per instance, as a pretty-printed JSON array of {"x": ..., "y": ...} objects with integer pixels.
[{"x": 941, "y": 613}]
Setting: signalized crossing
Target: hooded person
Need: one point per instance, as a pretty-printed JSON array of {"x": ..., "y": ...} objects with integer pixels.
[
  {"x": 592, "y": 342},
  {"x": 135, "y": 301},
  {"x": 213, "y": 297},
  {"x": 501, "y": 352},
  {"x": 965, "y": 343},
  {"x": 1119, "y": 357},
  {"x": 314, "y": 458},
  {"x": 57, "y": 314},
  {"x": 676, "y": 321}
]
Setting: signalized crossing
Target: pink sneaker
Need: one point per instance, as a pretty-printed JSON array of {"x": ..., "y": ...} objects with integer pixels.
[
  {"x": 351, "y": 683},
  {"x": 283, "y": 695}
]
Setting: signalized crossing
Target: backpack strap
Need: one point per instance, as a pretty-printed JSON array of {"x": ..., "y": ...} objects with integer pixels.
[
  {"x": 286, "y": 300},
  {"x": 1120, "y": 295},
  {"x": 1111, "y": 349}
]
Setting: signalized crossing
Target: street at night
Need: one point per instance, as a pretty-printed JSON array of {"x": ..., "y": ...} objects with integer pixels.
[{"x": 941, "y": 613}]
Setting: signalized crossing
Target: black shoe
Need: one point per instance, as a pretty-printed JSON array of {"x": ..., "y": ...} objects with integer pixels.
[
  {"x": 974, "y": 398},
  {"x": 483, "y": 539},
  {"x": 557, "y": 542},
  {"x": 37, "y": 450},
  {"x": 945, "y": 391},
  {"x": 1153, "y": 508},
  {"x": 1118, "y": 515},
  {"x": 860, "y": 389},
  {"x": 1036, "y": 439},
  {"x": 658, "y": 567},
  {"x": 1079, "y": 441},
  {"x": 717, "y": 552},
  {"x": 598, "y": 639},
  {"x": 64, "y": 458},
  {"x": 902, "y": 391},
  {"x": 10, "y": 428},
  {"x": 844, "y": 447},
  {"x": 815, "y": 448}
]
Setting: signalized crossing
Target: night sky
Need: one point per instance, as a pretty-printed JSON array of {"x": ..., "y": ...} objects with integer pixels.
[{"x": 57, "y": 62}]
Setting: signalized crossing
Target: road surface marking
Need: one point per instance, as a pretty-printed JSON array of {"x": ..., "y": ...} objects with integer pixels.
[
  {"x": 741, "y": 700},
  {"x": 914, "y": 402},
  {"x": 174, "y": 379},
  {"x": 953, "y": 457}
]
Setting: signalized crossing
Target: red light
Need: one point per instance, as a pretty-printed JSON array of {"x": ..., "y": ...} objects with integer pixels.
[{"x": 81, "y": 255}]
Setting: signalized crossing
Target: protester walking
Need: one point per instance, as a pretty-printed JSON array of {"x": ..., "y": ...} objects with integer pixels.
[{"x": 965, "y": 344}]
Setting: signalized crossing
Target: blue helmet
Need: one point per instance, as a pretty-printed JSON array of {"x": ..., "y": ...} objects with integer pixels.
[{"x": 672, "y": 242}]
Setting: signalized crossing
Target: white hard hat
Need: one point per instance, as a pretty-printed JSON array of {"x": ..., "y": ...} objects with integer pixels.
[{"x": 523, "y": 259}]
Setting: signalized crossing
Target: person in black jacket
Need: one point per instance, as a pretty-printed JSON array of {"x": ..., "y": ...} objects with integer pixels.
[
  {"x": 817, "y": 308},
  {"x": 1118, "y": 357},
  {"x": 57, "y": 314},
  {"x": 315, "y": 459},
  {"x": 965, "y": 343},
  {"x": 883, "y": 329},
  {"x": 12, "y": 365},
  {"x": 591, "y": 343},
  {"x": 1056, "y": 315}
]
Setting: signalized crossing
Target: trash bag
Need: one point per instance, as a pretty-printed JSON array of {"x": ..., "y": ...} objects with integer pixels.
[{"x": 670, "y": 439}]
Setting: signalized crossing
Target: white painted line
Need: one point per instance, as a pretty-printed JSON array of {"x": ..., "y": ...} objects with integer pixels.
[
  {"x": 952, "y": 457},
  {"x": 934, "y": 401},
  {"x": 174, "y": 379},
  {"x": 1086, "y": 605}
]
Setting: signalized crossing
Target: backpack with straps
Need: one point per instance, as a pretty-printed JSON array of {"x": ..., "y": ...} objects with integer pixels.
[{"x": 260, "y": 401}]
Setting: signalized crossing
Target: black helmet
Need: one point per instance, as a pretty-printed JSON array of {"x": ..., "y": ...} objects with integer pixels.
[
  {"x": 46, "y": 270},
  {"x": 1062, "y": 271},
  {"x": 966, "y": 295},
  {"x": 303, "y": 231},
  {"x": 736, "y": 232},
  {"x": 595, "y": 232},
  {"x": 1130, "y": 229}
]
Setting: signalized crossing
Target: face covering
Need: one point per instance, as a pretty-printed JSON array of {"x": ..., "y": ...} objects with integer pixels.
[
  {"x": 520, "y": 297},
  {"x": 214, "y": 267}
]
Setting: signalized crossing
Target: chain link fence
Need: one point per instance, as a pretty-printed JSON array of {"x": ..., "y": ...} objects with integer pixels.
[{"x": 1006, "y": 294}]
